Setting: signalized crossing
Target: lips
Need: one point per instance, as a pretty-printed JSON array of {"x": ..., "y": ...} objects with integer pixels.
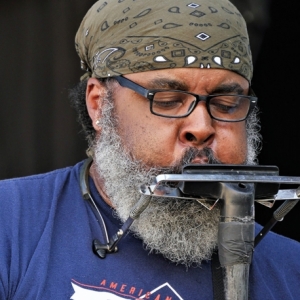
[
  {"x": 199, "y": 156},
  {"x": 200, "y": 160}
]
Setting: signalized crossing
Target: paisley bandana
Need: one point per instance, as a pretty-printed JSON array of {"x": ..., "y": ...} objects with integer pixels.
[{"x": 127, "y": 36}]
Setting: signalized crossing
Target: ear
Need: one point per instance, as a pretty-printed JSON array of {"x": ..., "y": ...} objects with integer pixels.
[{"x": 94, "y": 99}]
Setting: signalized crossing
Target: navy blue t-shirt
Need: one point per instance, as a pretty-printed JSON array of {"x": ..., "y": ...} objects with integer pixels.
[{"x": 46, "y": 234}]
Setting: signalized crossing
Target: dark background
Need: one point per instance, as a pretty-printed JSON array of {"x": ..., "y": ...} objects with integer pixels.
[{"x": 38, "y": 129}]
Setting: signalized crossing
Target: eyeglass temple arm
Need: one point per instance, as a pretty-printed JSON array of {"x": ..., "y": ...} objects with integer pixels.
[
  {"x": 125, "y": 82},
  {"x": 251, "y": 92}
]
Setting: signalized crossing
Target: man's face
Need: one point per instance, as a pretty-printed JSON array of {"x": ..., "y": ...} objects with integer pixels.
[
  {"x": 132, "y": 145},
  {"x": 159, "y": 141}
]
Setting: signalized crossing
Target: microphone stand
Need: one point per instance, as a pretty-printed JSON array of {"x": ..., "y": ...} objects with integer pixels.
[
  {"x": 236, "y": 237},
  {"x": 236, "y": 187}
]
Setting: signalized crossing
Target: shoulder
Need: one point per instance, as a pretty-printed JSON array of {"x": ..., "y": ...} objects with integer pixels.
[
  {"x": 41, "y": 183},
  {"x": 276, "y": 265},
  {"x": 36, "y": 195},
  {"x": 30, "y": 204},
  {"x": 275, "y": 268},
  {"x": 27, "y": 180},
  {"x": 276, "y": 244},
  {"x": 34, "y": 209}
]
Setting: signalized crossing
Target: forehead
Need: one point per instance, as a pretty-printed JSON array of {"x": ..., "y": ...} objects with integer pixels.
[{"x": 191, "y": 79}]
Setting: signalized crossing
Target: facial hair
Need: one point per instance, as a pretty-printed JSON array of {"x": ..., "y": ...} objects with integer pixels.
[{"x": 183, "y": 231}]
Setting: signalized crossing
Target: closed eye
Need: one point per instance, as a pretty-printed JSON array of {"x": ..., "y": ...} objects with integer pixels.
[
  {"x": 169, "y": 100},
  {"x": 226, "y": 104},
  {"x": 167, "y": 104}
]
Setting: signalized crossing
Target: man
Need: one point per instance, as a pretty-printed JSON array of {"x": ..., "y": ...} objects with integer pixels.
[{"x": 146, "y": 64}]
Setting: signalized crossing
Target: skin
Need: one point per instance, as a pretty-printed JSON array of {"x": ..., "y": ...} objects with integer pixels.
[{"x": 159, "y": 141}]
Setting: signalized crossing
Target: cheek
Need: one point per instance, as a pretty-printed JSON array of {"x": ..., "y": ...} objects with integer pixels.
[
  {"x": 232, "y": 143},
  {"x": 148, "y": 138}
]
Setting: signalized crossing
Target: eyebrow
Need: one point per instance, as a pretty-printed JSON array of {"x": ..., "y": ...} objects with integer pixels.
[
  {"x": 168, "y": 83},
  {"x": 228, "y": 88}
]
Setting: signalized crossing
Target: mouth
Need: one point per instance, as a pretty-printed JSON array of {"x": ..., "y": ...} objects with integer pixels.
[
  {"x": 200, "y": 160},
  {"x": 191, "y": 156},
  {"x": 202, "y": 156}
]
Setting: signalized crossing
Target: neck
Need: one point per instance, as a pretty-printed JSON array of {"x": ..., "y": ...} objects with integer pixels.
[{"x": 99, "y": 183}]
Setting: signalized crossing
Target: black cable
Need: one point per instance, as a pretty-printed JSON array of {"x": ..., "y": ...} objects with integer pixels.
[{"x": 278, "y": 215}]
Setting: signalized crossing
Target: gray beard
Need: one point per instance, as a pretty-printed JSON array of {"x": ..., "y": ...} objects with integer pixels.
[{"x": 183, "y": 231}]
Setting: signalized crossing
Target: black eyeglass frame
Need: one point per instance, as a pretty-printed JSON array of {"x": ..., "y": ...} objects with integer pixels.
[{"x": 149, "y": 94}]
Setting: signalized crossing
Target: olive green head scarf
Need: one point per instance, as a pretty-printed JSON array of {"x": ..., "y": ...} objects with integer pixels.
[{"x": 127, "y": 36}]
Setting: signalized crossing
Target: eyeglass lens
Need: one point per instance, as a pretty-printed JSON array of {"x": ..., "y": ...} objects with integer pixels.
[{"x": 223, "y": 107}]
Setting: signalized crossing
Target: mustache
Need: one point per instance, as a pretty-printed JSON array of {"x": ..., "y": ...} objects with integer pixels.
[
  {"x": 193, "y": 153},
  {"x": 189, "y": 155}
]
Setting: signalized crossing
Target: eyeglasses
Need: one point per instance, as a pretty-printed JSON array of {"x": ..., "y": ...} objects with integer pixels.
[{"x": 180, "y": 104}]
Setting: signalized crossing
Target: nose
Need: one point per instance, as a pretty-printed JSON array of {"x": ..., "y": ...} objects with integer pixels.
[{"x": 197, "y": 129}]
